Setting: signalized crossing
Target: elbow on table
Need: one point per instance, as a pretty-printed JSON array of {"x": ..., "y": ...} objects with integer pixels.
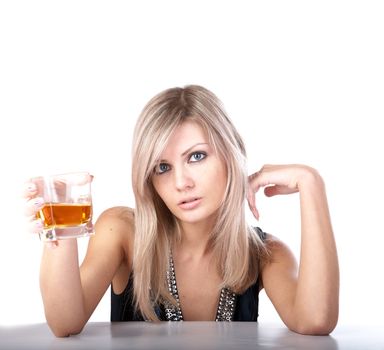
[
  {"x": 316, "y": 326},
  {"x": 61, "y": 331},
  {"x": 309, "y": 320},
  {"x": 64, "y": 325}
]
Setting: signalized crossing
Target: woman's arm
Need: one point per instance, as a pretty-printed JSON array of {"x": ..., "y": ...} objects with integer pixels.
[
  {"x": 306, "y": 297},
  {"x": 71, "y": 294}
]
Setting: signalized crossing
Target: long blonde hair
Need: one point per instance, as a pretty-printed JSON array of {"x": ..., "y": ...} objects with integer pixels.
[{"x": 236, "y": 246}]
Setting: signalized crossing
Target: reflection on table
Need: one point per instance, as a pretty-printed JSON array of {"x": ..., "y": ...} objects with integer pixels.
[{"x": 189, "y": 335}]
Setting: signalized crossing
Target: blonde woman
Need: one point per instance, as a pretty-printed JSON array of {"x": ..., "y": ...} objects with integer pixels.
[{"x": 186, "y": 252}]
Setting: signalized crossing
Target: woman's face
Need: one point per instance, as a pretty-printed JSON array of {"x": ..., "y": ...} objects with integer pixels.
[{"x": 190, "y": 177}]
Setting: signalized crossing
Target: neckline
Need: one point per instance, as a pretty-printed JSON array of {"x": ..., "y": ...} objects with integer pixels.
[{"x": 225, "y": 308}]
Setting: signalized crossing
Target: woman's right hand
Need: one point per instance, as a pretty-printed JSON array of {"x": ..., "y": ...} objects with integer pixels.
[{"x": 33, "y": 204}]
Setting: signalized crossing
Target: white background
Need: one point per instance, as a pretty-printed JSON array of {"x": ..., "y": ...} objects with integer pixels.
[{"x": 302, "y": 80}]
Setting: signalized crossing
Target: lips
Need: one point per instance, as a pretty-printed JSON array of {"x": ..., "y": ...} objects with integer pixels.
[
  {"x": 189, "y": 203},
  {"x": 188, "y": 200}
]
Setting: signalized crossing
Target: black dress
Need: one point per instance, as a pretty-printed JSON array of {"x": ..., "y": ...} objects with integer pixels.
[{"x": 246, "y": 304}]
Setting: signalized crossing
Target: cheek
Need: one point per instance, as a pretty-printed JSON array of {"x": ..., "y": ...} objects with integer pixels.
[
  {"x": 160, "y": 189},
  {"x": 221, "y": 183},
  {"x": 218, "y": 179}
]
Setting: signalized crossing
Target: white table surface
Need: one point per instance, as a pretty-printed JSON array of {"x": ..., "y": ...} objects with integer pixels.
[{"x": 189, "y": 335}]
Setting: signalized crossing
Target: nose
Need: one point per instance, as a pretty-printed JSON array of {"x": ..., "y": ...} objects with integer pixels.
[{"x": 183, "y": 179}]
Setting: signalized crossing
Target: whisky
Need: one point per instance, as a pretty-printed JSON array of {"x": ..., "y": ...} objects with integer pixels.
[{"x": 64, "y": 215}]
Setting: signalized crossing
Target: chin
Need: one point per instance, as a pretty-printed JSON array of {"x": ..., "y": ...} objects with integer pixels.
[{"x": 194, "y": 218}]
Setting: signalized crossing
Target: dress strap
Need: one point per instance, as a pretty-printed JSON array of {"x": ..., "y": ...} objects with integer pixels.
[{"x": 261, "y": 233}]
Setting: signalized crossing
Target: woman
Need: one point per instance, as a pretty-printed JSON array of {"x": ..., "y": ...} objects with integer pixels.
[{"x": 190, "y": 183}]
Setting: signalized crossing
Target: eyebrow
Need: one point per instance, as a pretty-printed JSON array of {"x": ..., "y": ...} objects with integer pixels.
[
  {"x": 187, "y": 150},
  {"x": 190, "y": 148}
]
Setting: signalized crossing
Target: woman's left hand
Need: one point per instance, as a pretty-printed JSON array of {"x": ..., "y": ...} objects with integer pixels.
[
  {"x": 305, "y": 295},
  {"x": 276, "y": 180}
]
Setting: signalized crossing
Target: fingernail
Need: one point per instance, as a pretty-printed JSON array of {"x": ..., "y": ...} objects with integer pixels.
[
  {"x": 39, "y": 225},
  {"x": 32, "y": 187},
  {"x": 38, "y": 202}
]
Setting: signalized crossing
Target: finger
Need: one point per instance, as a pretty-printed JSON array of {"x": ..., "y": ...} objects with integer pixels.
[
  {"x": 254, "y": 186},
  {"x": 29, "y": 190},
  {"x": 33, "y": 206},
  {"x": 251, "y": 198},
  {"x": 35, "y": 226},
  {"x": 74, "y": 178},
  {"x": 255, "y": 213},
  {"x": 274, "y": 190}
]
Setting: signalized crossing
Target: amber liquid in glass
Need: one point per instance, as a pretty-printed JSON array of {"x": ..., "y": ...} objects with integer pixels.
[{"x": 64, "y": 215}]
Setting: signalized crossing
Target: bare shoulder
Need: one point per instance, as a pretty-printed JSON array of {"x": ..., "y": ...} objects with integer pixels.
[
  {"x": 116, "y": 220},
  {"x": 281, "y": 261},
  {"x": 276, "y": 246},
  {"x": 120, "y": 213},
  {"x": 114, "y": 230}
]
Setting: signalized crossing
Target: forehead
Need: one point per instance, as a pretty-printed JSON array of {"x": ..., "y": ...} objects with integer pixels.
[{"x": 185, "y": 136}]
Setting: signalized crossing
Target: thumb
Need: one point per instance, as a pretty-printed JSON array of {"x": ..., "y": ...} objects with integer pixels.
[{"x": 274, "y": 190}]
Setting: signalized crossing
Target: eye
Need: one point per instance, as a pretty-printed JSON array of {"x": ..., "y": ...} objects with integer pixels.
[
  {"x": 197, "y": 156},
  {"x": 161, "y": 168}
]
